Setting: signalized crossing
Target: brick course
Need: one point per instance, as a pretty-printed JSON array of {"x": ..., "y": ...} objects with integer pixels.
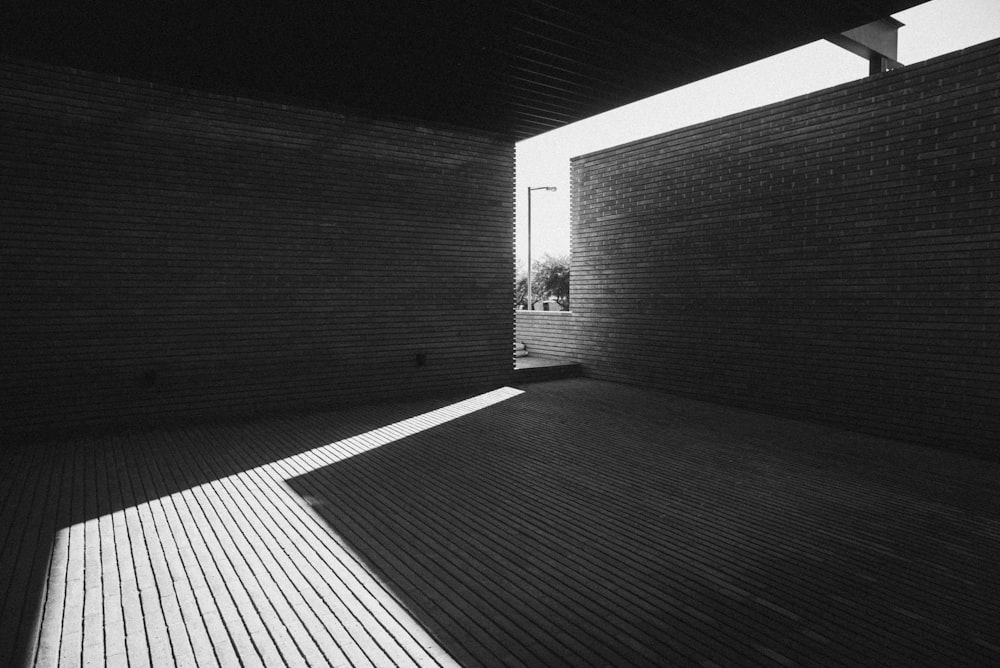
[
  {"x": 168, "y": 253},
  {"x": 832, "y": 257}
]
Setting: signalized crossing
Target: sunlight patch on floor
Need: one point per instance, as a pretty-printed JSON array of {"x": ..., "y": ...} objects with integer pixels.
[{"x": 241, "y": 567}]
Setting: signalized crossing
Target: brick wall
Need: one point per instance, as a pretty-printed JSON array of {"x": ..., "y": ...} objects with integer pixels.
[
  {"x": 167, "y": 253},
  {"x": 834, "y": 257},
  {"x": 549, "y": 334}
]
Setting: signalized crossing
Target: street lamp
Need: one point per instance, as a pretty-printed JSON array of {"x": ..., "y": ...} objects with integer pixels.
[{"x": 531, "y": 305}]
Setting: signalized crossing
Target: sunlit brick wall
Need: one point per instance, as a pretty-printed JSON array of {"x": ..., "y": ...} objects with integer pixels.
[
  {"x": 547, "y": 333},
  {"x": 835, "y": 257},
  {"x": 167, "y": 253}
]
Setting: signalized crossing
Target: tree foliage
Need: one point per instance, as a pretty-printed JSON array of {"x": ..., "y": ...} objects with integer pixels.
[{"x": 549, "y": 280}]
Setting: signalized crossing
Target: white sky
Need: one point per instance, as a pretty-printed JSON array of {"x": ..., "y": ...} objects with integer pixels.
[{"x": 932, "y": 29}]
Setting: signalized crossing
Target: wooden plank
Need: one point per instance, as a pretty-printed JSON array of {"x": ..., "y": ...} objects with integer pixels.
[
  {"x": 55, "y": 542},
  {"x": 34, "y": 497}
]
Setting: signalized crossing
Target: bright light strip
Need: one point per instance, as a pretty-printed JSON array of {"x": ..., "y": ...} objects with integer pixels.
[
  {"x": 340, "y": 450},
  {"x": 62, "y": 587}
]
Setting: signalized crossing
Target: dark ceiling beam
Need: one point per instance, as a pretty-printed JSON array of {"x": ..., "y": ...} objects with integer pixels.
[{"x": 514, "y": 67}]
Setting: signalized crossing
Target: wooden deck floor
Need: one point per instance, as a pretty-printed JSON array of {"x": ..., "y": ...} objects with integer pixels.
[{"x": 575, "y": 523}]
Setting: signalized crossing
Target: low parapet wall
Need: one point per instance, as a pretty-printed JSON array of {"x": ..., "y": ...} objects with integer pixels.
[{"x": 547, "y": 333}]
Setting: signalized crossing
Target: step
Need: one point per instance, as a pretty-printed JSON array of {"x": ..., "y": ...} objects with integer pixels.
[{"x": 534, "y": 369}]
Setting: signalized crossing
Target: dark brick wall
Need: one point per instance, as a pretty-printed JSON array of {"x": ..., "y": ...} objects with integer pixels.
[
  {"x": 834, "y": 257},
  {"x": 167, "y": 253}
]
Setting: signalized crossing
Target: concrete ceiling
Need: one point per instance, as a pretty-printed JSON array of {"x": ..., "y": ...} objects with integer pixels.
[{"x": 517, "y": 68}]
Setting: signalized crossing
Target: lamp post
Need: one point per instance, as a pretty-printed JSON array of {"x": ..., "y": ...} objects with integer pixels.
[{"x": 531, "y": 305}]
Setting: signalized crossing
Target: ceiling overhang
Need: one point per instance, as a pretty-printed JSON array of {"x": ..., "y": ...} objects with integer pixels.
[
  {"x": 877, "y": 42},
  {"x": 516, "y": 68}
]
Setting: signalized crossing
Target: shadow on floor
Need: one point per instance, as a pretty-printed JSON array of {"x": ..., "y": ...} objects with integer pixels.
[{"x": 588, "y": 524}]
